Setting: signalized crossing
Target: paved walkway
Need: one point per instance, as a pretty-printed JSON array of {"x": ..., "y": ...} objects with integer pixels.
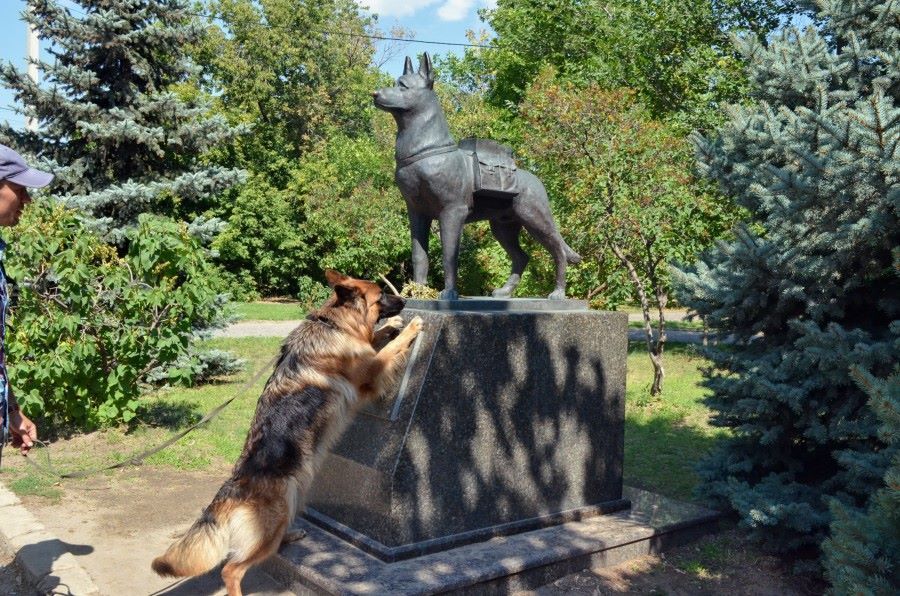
[{"x": 283, "y": 328}]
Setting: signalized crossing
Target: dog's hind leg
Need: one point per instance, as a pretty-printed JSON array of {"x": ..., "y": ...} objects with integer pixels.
[
  {"x": 235, "y": 569},
  {"x": 255, "y": 530},
  {"x": 551, "y": 239},
  {"x": 292, "y": 536},
  {"x": 232, "y": 574},
  {"x": 507, "y": 234},
  {"x": 533, "y": 210}
]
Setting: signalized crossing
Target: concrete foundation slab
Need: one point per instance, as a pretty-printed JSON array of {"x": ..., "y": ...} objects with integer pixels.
[{"x": 323, "y": 563}]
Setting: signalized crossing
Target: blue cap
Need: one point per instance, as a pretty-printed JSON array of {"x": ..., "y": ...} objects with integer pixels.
[{"x": 14, "y": 169}]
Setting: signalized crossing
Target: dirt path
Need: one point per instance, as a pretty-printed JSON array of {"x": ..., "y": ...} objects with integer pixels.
[{"x": 116, "y": 524}]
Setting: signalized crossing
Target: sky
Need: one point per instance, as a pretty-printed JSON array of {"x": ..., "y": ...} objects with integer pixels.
[{"x": 434, "y": 20}]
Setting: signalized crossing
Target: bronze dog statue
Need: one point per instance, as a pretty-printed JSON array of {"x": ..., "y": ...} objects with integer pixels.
[{"x": 437, "y": 179}]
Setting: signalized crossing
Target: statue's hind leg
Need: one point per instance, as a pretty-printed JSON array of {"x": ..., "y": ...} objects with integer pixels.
[
  {"x": 507, "y": 234},
  {"x": 542, "y": 227}
]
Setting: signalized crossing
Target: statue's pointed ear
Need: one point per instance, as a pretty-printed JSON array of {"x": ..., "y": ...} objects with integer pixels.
[
  {"x": 425, "y": 69},
  {"x": 407, "y": 66}
]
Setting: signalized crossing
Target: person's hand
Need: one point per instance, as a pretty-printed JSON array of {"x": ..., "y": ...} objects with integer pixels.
[{"x": 23, "y": 431}]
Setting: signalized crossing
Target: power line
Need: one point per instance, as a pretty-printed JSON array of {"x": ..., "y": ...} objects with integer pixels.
[
  {"x": 321, "y": 31},
  {"x": 333, "y": 32}
]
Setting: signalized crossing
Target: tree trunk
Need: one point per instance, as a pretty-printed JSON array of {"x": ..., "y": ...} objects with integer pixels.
[
  {"x": 658, "y": 374},
  {"x": 657, "y": 356},
  {"x": 654, "y": 346}
]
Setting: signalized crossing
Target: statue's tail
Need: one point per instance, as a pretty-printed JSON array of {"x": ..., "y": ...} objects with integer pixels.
[{"x": 572, "y": 257}]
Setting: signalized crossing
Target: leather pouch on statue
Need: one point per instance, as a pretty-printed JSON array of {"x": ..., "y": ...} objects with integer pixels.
[{"x": 494, "y": 169}]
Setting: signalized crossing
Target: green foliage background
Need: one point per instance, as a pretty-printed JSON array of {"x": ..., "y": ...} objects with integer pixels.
[
  {"x": 809, "y": 292},
  {"x": 90, "y": 328}
]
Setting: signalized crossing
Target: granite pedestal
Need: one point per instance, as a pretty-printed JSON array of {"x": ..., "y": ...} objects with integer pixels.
[{"x": 508, "y": 418}]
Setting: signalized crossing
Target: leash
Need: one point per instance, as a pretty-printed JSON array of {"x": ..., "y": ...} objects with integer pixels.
[{"x": 138, "y": 458}]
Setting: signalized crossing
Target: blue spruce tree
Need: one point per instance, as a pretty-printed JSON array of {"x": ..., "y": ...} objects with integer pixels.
[
  {"x": 113, "y": 127},
  {"x": 808, "y": 288},
  {"x": 862, "y": 555},
  {"x": 127, "y": 143}
]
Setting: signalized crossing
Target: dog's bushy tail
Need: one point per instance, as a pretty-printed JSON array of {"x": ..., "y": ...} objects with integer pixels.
[
  {"x": 572, "y": 257},
  {"x": 200, "y": 549}
]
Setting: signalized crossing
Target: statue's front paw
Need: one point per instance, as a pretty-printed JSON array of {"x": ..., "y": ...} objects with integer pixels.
[
  {"x": 557, "y": 294},
  {"x": 448, "y": 294},
  {"x": 504, "y": 292}
]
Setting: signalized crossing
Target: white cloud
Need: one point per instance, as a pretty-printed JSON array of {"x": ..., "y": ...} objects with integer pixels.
[
  {"x": 395, "y": 8},
  {"x": 450, "y": 10},
  {"x": 455, "y": 10}
]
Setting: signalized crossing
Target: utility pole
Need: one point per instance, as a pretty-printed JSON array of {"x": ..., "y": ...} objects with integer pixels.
[{"x": 33, "y": 55}]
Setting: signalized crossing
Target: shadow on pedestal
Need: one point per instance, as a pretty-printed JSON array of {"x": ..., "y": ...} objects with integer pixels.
[{"x": 509, "y": 418}]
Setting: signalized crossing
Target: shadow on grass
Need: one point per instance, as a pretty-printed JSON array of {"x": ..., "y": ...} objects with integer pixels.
[
  {"x": 168, "y": 415},
  {"x": 661, "y": 454}
]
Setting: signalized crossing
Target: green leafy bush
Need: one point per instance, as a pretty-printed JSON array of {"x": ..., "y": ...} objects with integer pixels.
[
  {"x": 340, "y": 210},
  {"x": 90, "y": 326},
  {"x": 261, "y": 248}
]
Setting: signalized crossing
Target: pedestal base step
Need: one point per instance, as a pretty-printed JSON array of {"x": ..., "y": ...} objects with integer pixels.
[
  {"x": 323, "y": 563},
  {"x": 398, "y": 553}
]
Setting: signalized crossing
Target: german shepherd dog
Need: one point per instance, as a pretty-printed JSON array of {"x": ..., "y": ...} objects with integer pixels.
[{"x": 330, "y": 364}]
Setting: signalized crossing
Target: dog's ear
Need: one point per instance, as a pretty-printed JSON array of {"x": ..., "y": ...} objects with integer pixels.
[
  {"x": 407, "y": 66},
  {"x": 345, "y": 292},
  {"x": 334, "y": 278},
  {"x": 342, "y": 286},
  {"x": 425, "y": 69}
]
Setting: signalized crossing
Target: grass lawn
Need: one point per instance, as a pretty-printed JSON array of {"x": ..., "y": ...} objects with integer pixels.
[
  {"x": 670, "y": 325},
  {"x": 663, "y": 438},
  {"x": 269, "y": 311},
  {"x": 213, "y": 445}
]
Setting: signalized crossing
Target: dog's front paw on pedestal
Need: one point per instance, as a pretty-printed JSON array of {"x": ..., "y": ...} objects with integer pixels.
[
  {"x": 390, "y": 327},
  {"x": 396, "y": 322},
  {"x": 448, "y": 294},
  {"x": 415, "y": 326}
]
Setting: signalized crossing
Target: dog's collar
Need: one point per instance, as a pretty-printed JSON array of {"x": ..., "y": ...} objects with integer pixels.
[
  {"x": 410, "y": 159},
  {"x": 320, "y": 319}
]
